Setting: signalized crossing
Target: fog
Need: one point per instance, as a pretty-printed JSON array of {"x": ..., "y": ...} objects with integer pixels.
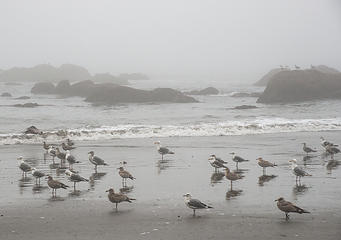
[{"x": 227, "y": 40}]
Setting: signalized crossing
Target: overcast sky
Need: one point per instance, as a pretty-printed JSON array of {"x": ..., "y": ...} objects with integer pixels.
[{"x": 225, "y": 39}]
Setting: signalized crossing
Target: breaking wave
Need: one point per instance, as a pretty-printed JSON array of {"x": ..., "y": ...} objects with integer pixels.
[{"x": 258, "y": 126}]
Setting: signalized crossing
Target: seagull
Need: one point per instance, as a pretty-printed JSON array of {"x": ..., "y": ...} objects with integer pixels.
[
  {"x": 118, "y": 197},
  {"x": 52, "y": 153},
  {"x": 37, "y": 174},
  {"x": 218, "y": 159},
  {"x": 46, "y": 146},
  {"x": 125, "y": 174},
  {"x": 325, "y": 143},
  {"x": 194, "y": 203},
  {"x": 69, "y": 142},
  {"x": 307, "y": 149},
  {"x": 232, "y": 176},
  {"x": 264, "y": 164},
  {"x": 75, "y": 178},
  {"x": 67, "y": 147},
  {"x": 96, "y": 160},
  {"x": 25, "y": 167},
  {"x": 288, "y": 207},
  {"x": 54, "y": 184},
  {"x": 162, "y": 150},
  {"x": 332, "y": 150},
  {"x": 216, "y": 163},
  {"x": 299, "y": 172},
  {"x": 61, "y": 156},
  {"x": 71, "y": 159},
  {"x": 237, "y": 159}
]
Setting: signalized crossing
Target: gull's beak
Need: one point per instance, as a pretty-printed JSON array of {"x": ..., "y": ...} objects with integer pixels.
[
  {"x": 107, "y": 191},
  {"x": 276, "y": 200}
]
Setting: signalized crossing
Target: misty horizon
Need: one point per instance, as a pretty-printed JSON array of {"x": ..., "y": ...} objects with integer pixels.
[{"x": 223, "y": 40}]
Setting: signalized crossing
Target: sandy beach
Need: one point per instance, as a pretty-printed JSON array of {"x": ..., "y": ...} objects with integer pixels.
[{"x": 159, "y": 212}]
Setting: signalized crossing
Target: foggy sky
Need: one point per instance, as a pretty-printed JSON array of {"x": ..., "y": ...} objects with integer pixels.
[{"x": 225, "y": 39}]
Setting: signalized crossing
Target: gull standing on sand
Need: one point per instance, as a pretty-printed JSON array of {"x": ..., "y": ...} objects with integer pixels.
[
  {"x": 70, "y": 159},
  {"x": 54, "y": 184},
  {"x": 325, "y": 143},
  {"x": 125, "y": 175},
  {"x": 332, "y": 150},
  {"x": 299, "y": 172},
  {"x": 52, "y": 153},
  {"x": 37, "y": 174},
  {"x": 194, "y": 203},
  {"x": 46, "y": 146},
  {"x": 216, "y": 163},
  {"x": 75, "y": 178},
  {"x": 232, "y": 176},
  {"x": 118, "y": 197},
  {"x": 67, "y": 147},
  {"x": 61, "y": 156},
  {"x": 307, "y": 149},
  {"x": 264, "y": 164},
  {"x": 25, "y": 167},
  {"x": 237, "y": 159},
  {"x": 288, "y": 207},
  {"x": 162, "y": 150},
  {"x": 96, "y": 160}
]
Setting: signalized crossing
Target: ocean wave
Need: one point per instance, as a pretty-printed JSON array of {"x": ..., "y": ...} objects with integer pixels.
[{"x": 258, "y": 126}]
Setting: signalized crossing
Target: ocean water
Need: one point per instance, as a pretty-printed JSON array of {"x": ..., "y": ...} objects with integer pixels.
[{"x": 211, "y": 116}]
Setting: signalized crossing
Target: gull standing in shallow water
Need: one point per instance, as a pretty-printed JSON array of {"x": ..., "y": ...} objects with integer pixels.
[
  {"x": 54, "y": 184},
  {"x": 125, "y": 174},
  {"x": 299, "y": 172},
  {"x": 306, "y": 149},
  {"x": 232, "y": 176},
  {"x": 194, "y": 203},
  {"x": 162, "y": 150},
  {"x": 332, "y": 150},
  {"x": 25, "y": 167},
  {"x": 264, "y": 164},
  {"x": 75, "y": 178},
  {"x": 70, "y": 159},
  {"x": 237, "y": 159},
  {"x": 216, "y": 163},
  {"x": 96, "y": 160},
  {"x": 288, "y": 207},
  {"x": 37, "y": 174},
  {"x": 52, "y": 153},
  {"x": 118, "y": 197}
]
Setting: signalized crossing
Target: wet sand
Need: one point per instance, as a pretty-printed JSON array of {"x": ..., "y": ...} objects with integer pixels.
[{"x": 159, "y": 212}]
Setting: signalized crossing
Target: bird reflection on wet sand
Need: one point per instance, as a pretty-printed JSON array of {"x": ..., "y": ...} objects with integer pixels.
[
  {"x": 126, "y": 189},
  {"x": 332, "y": 164},
  {"x": 265, "y": 178},
  {"x": 95, "y": 177},
  {"x": 216, "y": 177},
  {"x": 299, "y": 189},
  {"x": 163, "y": 165},
  {"x": 38, "y": 189},
  {"x": 233, "y": 193}
]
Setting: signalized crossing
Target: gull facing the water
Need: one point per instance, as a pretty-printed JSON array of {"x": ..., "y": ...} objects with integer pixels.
[
  {"x": 237, "y": 159},
  {"x": 25, "y": 167},
  {"x": 288, "y": 207},
  {"x": 162, "y": 150},
  {"x": 75, "y": 178},
  {"x": 299, "y": 172},
  {"x": 264, "y": 164},
  {"x": 194, "y": 203},
  {"x": 118, "y": 197},
  {"x": 96, "y": 160}
]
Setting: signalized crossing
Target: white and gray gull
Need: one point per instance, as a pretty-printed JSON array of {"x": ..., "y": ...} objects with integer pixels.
[
  {"x": 70, "y": 159},
  {"x": 237, "y": 159},
  {"x": 299, "y": 172},
  {"x": 37, "y": 174},
  {"x": 96, "y": 160},
  {"x": 75, "y": 178},
  {"x": 25, "y": 167},
  {"x": 216, "y": 163},
  {"x": 306, "y": 149},
  {"x": 194, "y": 203},
  {"x": 162, "y": 150}
]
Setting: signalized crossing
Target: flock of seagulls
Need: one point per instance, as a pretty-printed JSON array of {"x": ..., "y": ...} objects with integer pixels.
[{"x": 194, "y": 204}]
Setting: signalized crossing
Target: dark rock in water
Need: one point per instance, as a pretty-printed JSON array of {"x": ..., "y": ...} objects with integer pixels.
[
  {"x": 23, "y": 98},
  {"x": 206, "y": 91},
  {"x": 27, "y": 105},
  {"x": 82, "y": 89},
  {"x": 245, "y": 107},
  {"x": 12, "y": 84},
  {"x": 245, "y": 94},
  {"x": 33, "y": 130},
  {"x": 43, "y": 88},
  {"x": 301, "y": 85},
  {"x": 63, "y": 87},
  {"x": 107, "y": 77},
  {"x": 133, "y": 76},
  {"x": 110, "y": 95},
  {"x": 267, "y": 77},
  {"x": 6, "y": 94}
]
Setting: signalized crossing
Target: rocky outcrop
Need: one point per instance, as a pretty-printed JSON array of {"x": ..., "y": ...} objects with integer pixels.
[
  {"x": 108, "y": 78},
  {"x": 133, "y": 76},
  {"x": 267, "y": 77},
  {"x": 27, "y": 105},
  {"x": 109, "y": 93},
  {"x": 301, "y": 85},
  {"x": 33, "y": 130},
  {"x": 22, "y": 98},
  {"x": 241, "y": 107},
  {"x": 206, "y": 91},
  {"x": 6, "y": 94},
  {"x": 43, "y": 88},
  {"x": 245, "y": 94}
]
